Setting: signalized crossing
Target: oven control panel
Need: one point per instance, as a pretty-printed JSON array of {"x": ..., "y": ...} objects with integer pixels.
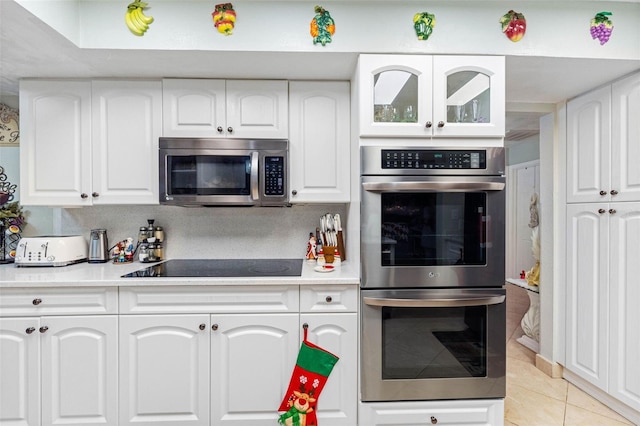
[{"x": 432, "y": 159}]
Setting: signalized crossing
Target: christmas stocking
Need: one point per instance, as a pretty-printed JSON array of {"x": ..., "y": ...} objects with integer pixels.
[{"x": 309, "y": 376}]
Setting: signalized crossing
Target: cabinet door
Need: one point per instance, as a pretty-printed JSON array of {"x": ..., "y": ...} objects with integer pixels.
[
  {"x": 79, "y": 370},
  {"x": 19, "y": 372},
  {"x": 55, "y": 153},
  {"x": 468, "y": 96},
  {"x": 164, "y": 370},
  {"x": 252, "y": 357},
  {"x": 337, "y": 333},
  {"x": 126, "y": 125},
  {"x": 625, "y": 136},
  {"x": 257, "y": 109},
  {"x": 193, "y": 108},
  {"x": 624, "y": 383},
  {"x": 319, "y": 142},
  {"x": 588, "y": 147},
  {"x": 588, "y": 292},
  {"x": 395, "y": 95}
]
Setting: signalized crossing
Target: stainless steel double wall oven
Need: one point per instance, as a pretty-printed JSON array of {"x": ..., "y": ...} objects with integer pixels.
[{"x": 432, "y": 296}]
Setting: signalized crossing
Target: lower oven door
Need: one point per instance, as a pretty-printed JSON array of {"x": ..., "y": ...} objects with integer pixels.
[{"x": 433, "y": 344}]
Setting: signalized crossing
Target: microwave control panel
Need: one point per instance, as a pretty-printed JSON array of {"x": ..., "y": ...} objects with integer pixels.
[
  {"x": 432, "y": 159},
  {"x": 274, "y": 176}
]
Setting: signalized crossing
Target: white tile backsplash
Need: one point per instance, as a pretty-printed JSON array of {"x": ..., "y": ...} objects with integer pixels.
[{"x": 208, "y": 232}]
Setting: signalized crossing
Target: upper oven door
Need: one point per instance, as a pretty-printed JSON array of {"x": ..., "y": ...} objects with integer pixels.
[{"x": 432, "y": 231}]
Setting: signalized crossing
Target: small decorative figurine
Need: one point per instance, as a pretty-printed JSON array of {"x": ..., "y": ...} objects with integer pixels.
[
  {"x": 423, "y": 23},
  {"x": 601, "y": 27},
  {"x": 322, "y": 26},
  {"x": 513, "y": 25},
  {"x": 311, "y": 248},
  {"x": 224, "y": 18}
]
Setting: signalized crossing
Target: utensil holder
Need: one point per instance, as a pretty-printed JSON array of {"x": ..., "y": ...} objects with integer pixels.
[{"x": 329, "y": 253}]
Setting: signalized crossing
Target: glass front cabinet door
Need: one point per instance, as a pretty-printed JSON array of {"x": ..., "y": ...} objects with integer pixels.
[{"x": 432, "y": 96}]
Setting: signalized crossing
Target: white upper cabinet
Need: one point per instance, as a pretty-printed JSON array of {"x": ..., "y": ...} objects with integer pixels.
[
  {"x": 87, "y": 143},
  {"x": 319, "y": 142},
  {"x": 432, "y": 96},
  {"x": 603, "y": 144},
  {"x": 126, "y": 125},
  {"x": 226, "y": 108},
  {"x": 55, "y": 145}
]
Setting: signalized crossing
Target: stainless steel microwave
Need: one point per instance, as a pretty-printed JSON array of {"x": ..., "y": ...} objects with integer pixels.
[{"x": 224, "y": 172}]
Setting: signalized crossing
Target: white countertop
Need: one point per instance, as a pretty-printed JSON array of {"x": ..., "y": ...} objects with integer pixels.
[{"x": 109, "y": 274}]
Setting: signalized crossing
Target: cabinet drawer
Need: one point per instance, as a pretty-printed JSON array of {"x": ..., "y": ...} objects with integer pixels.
[
  {"x": 329, "y": 298},
  {"x": 58, "y": 301},
  {"x": 205, "y": 299}
]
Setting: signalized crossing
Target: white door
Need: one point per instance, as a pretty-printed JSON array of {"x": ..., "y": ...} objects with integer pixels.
[
  {"x": 164, "y": 370},
  {"x": 468, "y": 96},
  {"x": 319, "y": 142},
  {"x": 193, "y": 108},
  {"x": 127, "y": 121},
  {"x": 625, "y": 136},
  {"x": 337, "y": 333},
  {"x": 257, "y": 109},
  {"x": 395, "y": 95},
  {"x": 252, "y": 357},
  {"x": 19, "y": 372},
  {"x": 588, "y": 147},
  {"x": 587, "y": 310},
  {"x": 624, "y": 383},
  {"x": 79, "y": 370},
  {"x": 55, "y": 148}
]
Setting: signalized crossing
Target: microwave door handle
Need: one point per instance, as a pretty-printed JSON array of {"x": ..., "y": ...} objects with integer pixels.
[
  {"x": 435, "y": 302},
  {"x": 255, "y": 190},
  {"x": 432, "y": 186}
]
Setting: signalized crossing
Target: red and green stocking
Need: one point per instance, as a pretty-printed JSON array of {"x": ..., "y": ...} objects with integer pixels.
[{"x": 309, "y": 376}]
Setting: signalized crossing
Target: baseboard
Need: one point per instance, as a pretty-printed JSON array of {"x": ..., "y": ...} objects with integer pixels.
[{"x": 551, "y": 369}]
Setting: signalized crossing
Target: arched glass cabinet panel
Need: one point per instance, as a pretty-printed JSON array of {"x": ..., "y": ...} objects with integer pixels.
[
  {"x": 395, "y": 97},
  {"x": 468, "y": 97}
]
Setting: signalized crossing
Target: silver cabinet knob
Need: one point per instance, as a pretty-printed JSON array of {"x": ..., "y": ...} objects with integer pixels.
[
  {"x": 434, "y": 420},
  {"x": 30, "y": 330},
  {"x": 440, "y": 124},
  {"x": 83, "y": 196},
  {"x": 294, "y": 192},
  {"x": 612, "y": 211},
  {"x": 95, "y": 194},
  {"x": 202, "y": 326},
  {"x": 428, "y": 125},
  {"x": 614, "y": 192},
  {"x": 36, "y": 302},
  {"x": 603, "y": 192},
  {"x": 329, "y": 299},
  {"x": 219, "y": 129},
  {"x": 43, "y": 329},
  {"x": 214, "y": 327},
  {"x": 602, "y": 211},
  {"x": 230, "y": 129}
]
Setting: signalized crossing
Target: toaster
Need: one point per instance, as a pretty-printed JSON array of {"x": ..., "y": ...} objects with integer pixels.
[{"x": 51, "y": 251}]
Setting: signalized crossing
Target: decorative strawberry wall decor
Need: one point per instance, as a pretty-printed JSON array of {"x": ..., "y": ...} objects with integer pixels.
[
  {"x": 513, "y": 25},
  {"x": 601, "y": 27},
  {"x": 423, "y": 23},
  {"x": 224, "y": 18},
  {"x": 322, "y": 26}
]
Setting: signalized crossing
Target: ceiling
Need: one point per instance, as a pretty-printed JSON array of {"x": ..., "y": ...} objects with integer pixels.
[{"x": 30, "y": 48}]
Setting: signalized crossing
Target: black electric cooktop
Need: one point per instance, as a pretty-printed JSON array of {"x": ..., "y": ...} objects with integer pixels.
[{"x": 221, "y": 268}]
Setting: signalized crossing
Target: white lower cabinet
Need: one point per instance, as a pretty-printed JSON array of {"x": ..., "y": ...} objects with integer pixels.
[
  {"x": 483, "y": 412},
  {"x": 252, "y": 356},
  {"x": 58, "y": 370}
]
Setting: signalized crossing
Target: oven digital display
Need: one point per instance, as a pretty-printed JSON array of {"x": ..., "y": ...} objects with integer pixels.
[{"x": 431, "y": 159}]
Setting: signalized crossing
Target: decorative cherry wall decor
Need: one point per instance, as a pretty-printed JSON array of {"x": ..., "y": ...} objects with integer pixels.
[{"x": 514, "y": 25}]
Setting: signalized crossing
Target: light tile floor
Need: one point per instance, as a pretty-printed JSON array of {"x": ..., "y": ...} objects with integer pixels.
[{"x": 535, "y": 399}]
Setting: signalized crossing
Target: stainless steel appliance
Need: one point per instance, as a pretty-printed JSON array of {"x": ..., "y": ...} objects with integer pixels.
[
  {"x": 222, "y": 268},
  {"x": 432, "y": 296},
  {"x": 98, "y": 246},
  {"x": 51, "y": 251},
  {"x": 224, "y": 172}
]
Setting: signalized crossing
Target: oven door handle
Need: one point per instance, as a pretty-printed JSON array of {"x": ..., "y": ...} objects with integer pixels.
[
  {"x": 435, "y": 302},
  {"x": 432, "y": 186},
  {"x": 255, "y": 192}
]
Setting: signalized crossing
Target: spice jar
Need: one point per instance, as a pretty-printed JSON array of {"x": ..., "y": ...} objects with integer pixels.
[
  {"x": 158, "y": 251},
  {"x": 142, "y": 234},
  {"x": 143, "y": 253},
  {"x": 159, "y": 234}
]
